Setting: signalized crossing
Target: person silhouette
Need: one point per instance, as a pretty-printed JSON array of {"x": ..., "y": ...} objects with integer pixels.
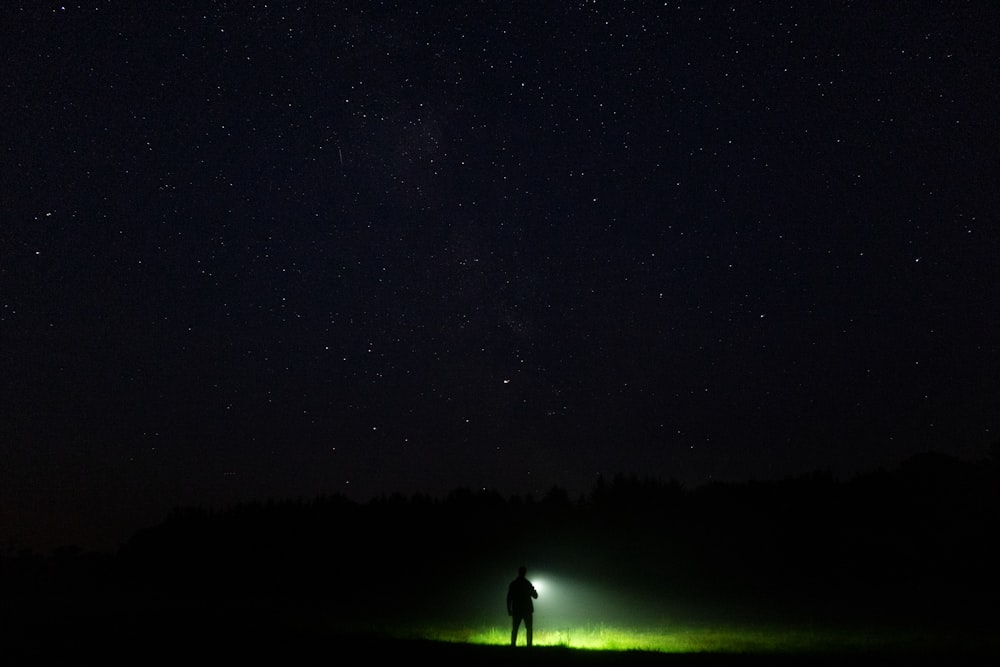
[{"x": 519, "y": 605}]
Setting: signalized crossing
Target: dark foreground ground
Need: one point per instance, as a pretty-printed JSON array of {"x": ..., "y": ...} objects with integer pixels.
[{"x": 227, "y": 638}]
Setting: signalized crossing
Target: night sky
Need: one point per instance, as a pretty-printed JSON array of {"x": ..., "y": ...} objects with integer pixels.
[{"x": 279, "y": 250}]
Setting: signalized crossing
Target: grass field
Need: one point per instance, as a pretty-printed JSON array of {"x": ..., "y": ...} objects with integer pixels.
[
  {"x": 725, "y": 639},
  {"x": 239, "y": 635}
]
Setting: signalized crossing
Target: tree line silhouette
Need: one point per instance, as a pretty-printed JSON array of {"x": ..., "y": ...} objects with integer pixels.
[{"x": 918, "y": 540}]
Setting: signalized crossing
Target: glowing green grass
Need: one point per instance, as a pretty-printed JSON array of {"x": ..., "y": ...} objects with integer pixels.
[
  {"x": 726, "y": 639},
  {"x": 573, "y": 613}
]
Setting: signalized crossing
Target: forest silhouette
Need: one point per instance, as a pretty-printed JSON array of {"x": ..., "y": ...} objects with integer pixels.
[{"x": 915, "y": 544}]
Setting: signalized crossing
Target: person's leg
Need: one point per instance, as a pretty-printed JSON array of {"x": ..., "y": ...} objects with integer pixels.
[
  {"x": 527, "y": 628},
  {"x": 516, "y": 621}
]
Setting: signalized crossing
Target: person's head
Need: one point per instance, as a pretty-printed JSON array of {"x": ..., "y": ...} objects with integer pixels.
[{"x": 521, "y": 571}]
